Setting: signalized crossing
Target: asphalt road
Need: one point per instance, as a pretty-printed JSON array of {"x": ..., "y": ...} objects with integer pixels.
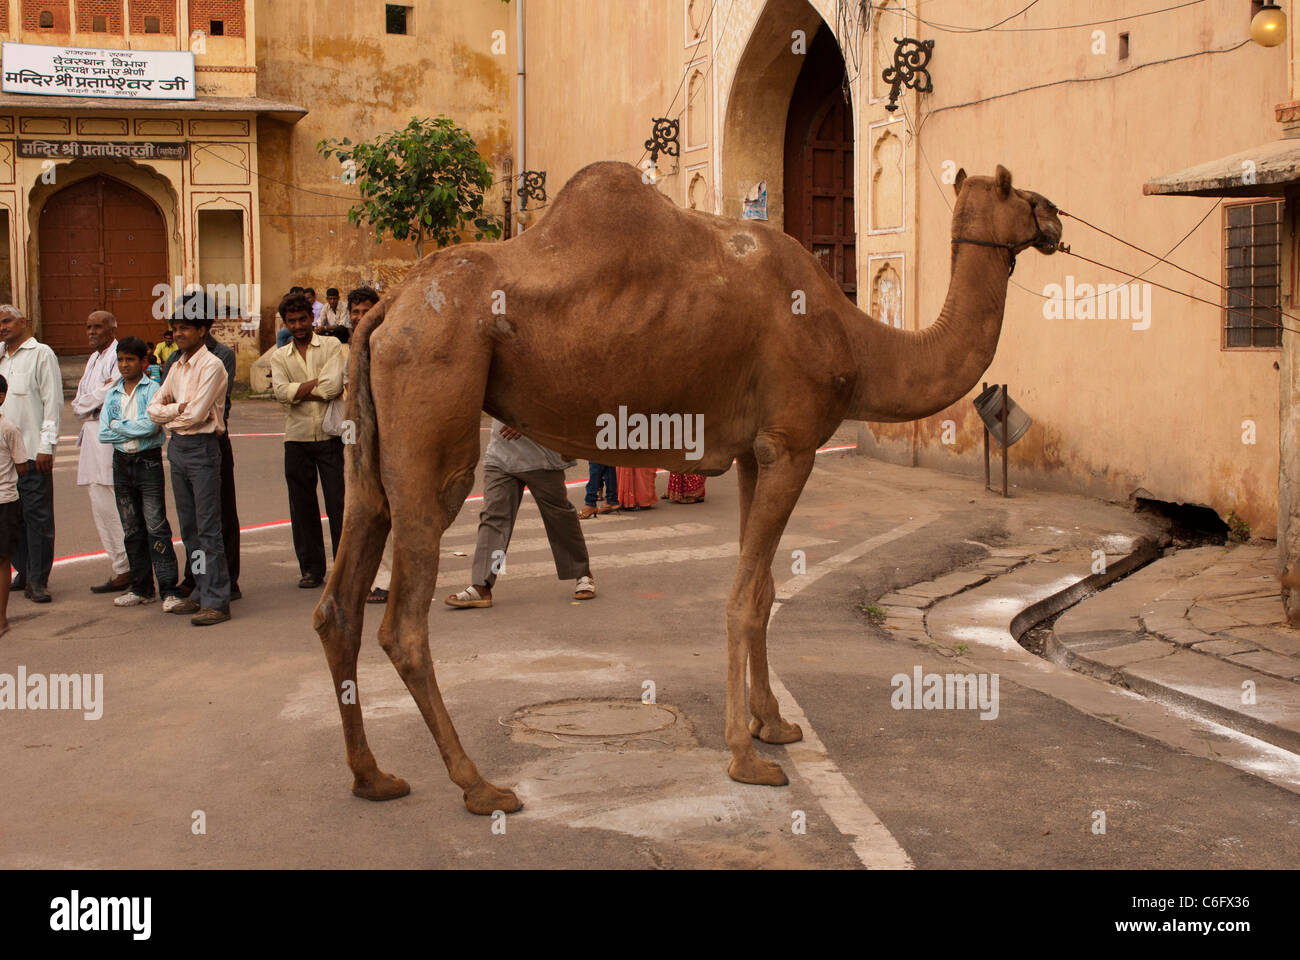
[{"x": 239, "y": 722}]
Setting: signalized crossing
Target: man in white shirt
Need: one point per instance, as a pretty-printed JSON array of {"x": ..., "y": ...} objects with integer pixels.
[
  {"x": 335, "y": 313},
  {"x": 306, "y": 375},
  {"x": 35, "y": 404},
  {"x": 95, "y": 468}
]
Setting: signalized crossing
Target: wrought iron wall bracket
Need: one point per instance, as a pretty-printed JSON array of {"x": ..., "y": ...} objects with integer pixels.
[
  {"x": 664, "y": 139},
  {"x": 911, "y": 57}
]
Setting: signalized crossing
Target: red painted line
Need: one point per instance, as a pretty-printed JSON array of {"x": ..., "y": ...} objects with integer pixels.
[{"x": 276, "y": 524}]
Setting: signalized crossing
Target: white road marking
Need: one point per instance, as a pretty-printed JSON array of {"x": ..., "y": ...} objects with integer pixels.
[
  {"x": 519, "y": 571},
  {"x": 874, "y": 845}
]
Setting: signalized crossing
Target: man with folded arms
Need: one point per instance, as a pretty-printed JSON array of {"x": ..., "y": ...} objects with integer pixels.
[{"x": 306, "y": 374}]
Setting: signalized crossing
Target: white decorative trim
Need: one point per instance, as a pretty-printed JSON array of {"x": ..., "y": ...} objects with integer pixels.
[
  {"x": 902, "y": 163},
  {"x": 686, "y": 26},
  {"x": 686, "y": 195},
  {"x": 701, "y": 65},
  {"x": 877, "y": 69},
  {"x": 864, "y": 302}
]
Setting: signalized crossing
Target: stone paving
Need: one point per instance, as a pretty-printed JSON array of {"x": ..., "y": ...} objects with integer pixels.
[{"x": 1202, "y": 629}]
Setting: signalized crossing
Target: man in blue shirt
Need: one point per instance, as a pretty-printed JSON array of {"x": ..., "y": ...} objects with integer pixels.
[{"x": 138, "y": 479}]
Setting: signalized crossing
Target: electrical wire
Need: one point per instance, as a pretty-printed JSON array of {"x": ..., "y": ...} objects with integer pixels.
[
  {"x": 998, "y": 28},
  {"x": 1131, "y": 276}
]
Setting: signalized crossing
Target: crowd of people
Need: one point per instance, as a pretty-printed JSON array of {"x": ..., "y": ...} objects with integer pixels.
[
  {"x": 131, "y": 397},
  {"x": 134, "y": 395}
]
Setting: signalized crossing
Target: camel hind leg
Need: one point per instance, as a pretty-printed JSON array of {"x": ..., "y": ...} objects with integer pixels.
[
  {"x": 424, "y": 503},
  {"x": 338, "y": 617}
]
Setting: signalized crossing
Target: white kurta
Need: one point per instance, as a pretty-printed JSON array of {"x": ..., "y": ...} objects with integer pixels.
[{"x": 96, "y": 463}]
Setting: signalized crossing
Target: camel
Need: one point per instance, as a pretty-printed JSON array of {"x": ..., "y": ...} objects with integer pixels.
[{"x": 730, "y": 319}]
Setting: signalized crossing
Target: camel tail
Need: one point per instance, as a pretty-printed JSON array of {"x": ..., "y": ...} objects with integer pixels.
[
  {"x": 365, "y": 513},
  {"x": 364, "y": 463}
]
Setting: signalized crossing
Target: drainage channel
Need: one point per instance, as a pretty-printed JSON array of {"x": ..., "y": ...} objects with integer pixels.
[{"x": 1032, "y": 625}]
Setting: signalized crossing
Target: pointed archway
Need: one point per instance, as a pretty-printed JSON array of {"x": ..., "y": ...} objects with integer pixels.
[
  {"x": 779, "y": 91},
  {"x": 819, "y": 164}
]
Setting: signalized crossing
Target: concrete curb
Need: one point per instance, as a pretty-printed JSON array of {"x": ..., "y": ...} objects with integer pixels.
[
  {"x": 1156, "y": 659},
  {"x": 1012, "y": 589}
]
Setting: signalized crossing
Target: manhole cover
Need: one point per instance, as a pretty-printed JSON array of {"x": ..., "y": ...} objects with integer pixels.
[{"x": 594, "y": 718}]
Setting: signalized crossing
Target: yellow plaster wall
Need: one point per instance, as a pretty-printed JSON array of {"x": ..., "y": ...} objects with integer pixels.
[{"x": 357, "y": 82}]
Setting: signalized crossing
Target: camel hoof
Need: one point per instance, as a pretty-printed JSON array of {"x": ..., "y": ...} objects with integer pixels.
[
  {"x": 382, "y": 786},
  {"x": 757, "y": 770},
  {"x": 486, "y": 800},
  {"x": 779, "y": 732}
]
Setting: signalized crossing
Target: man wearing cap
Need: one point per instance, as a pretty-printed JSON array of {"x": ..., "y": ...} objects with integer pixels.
[
  {"x": 190, "y": 406},
  {"x": 194, "y": 304}
]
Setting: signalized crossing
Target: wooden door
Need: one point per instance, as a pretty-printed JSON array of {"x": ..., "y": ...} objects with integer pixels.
[
  {"x": 819, "y": 164},
  {"x": 828, "y": 194},
  {"x": 103, "y": 246}
]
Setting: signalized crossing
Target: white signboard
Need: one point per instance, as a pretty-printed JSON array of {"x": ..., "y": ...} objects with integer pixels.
[{"x": 82, "y": 72}]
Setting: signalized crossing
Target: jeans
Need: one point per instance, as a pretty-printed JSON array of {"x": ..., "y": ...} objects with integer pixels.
[
  {"x": 303, "y": 460},
  {"x": 35, "y": 556},
  {"x": 229, "y": 517},
  {"x": 142, "y": 505},
  {"x": 196, "y": 485},
  {"x": 598, "y": 473}
]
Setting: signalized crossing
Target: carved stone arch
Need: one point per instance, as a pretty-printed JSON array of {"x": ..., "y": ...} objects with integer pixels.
[
  {"x": 887, "y": 181},
  {"x": 757, "y": 102},
  {"x": 697, "y": 109}
]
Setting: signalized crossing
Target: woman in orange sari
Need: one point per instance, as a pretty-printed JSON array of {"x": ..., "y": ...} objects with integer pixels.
[
  {"x": 636, "y": 488},
  {"x": 685, "y": 488}
]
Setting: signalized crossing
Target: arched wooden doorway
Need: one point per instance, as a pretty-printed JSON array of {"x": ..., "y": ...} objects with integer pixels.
[
  {"x": 819, "y": 164},
  {"x": 103, "y": 246}
]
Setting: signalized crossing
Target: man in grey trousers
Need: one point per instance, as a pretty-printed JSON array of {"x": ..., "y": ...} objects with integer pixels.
[{"x": 510, "y": 463}]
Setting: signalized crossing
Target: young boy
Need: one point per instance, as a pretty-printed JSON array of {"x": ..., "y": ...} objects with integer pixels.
[
  {"x": 138, "y": 479},
  {"x": 13, "y": 462}
]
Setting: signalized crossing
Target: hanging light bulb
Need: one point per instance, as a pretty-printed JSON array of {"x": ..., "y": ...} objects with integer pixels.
[{"x": 1268, "y": 29}]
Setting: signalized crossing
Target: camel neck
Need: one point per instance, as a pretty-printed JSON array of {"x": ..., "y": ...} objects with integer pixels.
[{"x": 912, "y": 374}]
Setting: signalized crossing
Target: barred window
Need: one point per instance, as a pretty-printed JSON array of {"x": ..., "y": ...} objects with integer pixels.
[{"x": 1252, "y": 259}]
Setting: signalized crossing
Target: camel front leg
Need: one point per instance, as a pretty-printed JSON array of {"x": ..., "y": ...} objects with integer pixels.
[{"x": 781, "y": 475}]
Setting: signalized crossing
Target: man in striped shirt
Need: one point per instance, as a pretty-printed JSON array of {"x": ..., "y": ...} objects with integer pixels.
[{"x": 191, "y": 407}]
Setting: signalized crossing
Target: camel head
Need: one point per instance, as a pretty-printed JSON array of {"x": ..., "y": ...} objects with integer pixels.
[{"x": 991, "y": 212}]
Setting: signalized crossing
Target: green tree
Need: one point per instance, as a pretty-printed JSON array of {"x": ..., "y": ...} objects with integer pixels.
[{"x": 422, "y": 182}]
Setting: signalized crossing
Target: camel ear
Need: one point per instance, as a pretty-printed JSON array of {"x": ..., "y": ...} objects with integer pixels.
[
  {"x": 1003, "y": 179},
  {"x": 961, "y": 178}
]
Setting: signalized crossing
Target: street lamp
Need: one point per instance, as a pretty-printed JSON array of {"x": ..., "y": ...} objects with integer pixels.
[{"x": 1268, "y": 28}]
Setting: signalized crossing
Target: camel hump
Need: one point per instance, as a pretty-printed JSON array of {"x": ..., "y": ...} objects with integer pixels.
[{"x": 607, "y": 194}]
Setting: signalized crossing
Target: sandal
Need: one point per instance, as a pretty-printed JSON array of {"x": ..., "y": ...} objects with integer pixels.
[
  {"x": 589, "y": 512},
  {"x": 607, "y": 509},
  {"x": 585, "y": 589},
  {"x": 469, "y": 597}
]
